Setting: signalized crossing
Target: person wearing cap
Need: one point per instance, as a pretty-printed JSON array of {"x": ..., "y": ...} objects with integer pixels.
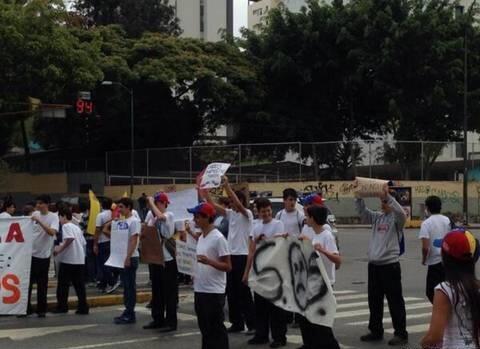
[
  {"x": 240, "y": 224},
  {"x": 164, "y": 278},
  {"x": 384, "y": 272},
  {"x": 307, "y": 201},
  {"x": 269, "y": 317},
  {"x": 455, "y": 321},
  {"x": 213, "y": 263},
  {"x": 433, "y": 228}
]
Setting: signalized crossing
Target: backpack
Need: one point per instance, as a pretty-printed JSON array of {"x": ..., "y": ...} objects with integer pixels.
[{"x": 300, "y": 223}]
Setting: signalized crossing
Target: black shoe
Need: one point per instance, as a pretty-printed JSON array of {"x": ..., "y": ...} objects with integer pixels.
[
  {"x": 59, "y": 311},
  {"x": 397, "y": 340},
  {"x": 41, "y": 315},
  {"x": 124, "y": 320},
  {"x": 235, "y": 329},
  {"x": 82, "y": 312},
  {"x": 256, "y": 340},
  {"x": 153, "y": 325},
  {"x": 371, "y": 337},
  {"x": 167, "y": 329},
  {"x": 278, "y": 344}
]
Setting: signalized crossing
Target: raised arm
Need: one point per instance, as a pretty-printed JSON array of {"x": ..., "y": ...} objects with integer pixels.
[
  {"x": 367, "y": 216},
  {"x": 219, "y": 208},
  {"x": 397, "y": 209},
  {"x": 235, "y": 201}
]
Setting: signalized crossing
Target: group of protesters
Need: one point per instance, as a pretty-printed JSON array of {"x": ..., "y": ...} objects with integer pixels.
[{"x": 226, "y": 233}]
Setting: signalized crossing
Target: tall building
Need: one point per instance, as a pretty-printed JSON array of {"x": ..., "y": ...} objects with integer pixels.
[
  {"x": 258, "y": 9},
  {"x": 204, "y": 19}
]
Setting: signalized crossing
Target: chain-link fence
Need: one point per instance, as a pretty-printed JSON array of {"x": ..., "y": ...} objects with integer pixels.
[{"x": 283, "y": 162}]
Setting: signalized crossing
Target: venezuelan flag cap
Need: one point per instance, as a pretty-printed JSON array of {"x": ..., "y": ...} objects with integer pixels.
[{"x": 461, "y": 245}]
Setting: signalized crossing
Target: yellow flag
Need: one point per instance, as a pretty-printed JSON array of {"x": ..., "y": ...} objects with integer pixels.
[
  {"x": 94, "y": 211},
  {"x": 125, "y": 195}
]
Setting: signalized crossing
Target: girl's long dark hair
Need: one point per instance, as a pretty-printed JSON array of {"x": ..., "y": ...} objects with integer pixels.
[{"x": 465, "y": 288}]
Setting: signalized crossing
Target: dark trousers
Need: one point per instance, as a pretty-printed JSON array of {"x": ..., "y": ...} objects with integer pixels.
[
  {"x": 209, "y": 310},
  {"x": 386, "y": 280},
  {"x": 39, "y": 276},
  {"x": 269, "y": 318},
  {"x": 315, "y": 336},
  {"x": 90, "y": 262},
  {"x": 104, "y": 272},
  {"x": 240, "y": 302},
  {"x": 129, "y": 276},
  {"x": 71, "y": 274},
  {"x": 164, "y": 293},
  {"x": 435, "y": 275}
]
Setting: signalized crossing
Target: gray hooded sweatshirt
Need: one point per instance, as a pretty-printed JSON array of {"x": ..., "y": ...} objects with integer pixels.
[{"x": 386, "y": 229}]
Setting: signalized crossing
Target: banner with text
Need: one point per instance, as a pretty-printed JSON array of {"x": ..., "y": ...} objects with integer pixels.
[
  {"x": 16, "y": 238},
  {"x": 288, "y": 273},
  {"x": 186, "y": 258},
  {"x": 212, "y": 175}
]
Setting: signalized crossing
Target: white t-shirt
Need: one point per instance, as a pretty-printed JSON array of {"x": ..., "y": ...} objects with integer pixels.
[
  {"x": 42, "y": 242},
  {"x": 167, "y": 232},
  {"x": 5, "y": 215},
  {"x": 269, "y": 230},
  {"x": 292, "y": 221},
  {"x": 327, "y": 240},
  {"x": 130, "y": 226},
  {"x": 309, "y": 233},
  {"x": 102, "y": 218},
  {"x": 239, "y": 229},
  {"x": 75, "y": 252},
  {"x": 208, "y": 279},
  {"x": 458, "y": 332},
  {"x": 435, "y": 227}
]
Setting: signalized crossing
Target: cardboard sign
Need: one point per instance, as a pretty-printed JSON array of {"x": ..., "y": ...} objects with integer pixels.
[
  {"x": 369, "y": 187},
  {"x": 16, "y": 239},
  {"x": 186, "y": 258},
  {"x": 151, "y": 251},
  {"x": 212, "y": 175}
]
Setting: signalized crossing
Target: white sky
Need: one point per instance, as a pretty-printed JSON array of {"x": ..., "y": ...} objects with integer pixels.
[{"x": 240, "y": 15}]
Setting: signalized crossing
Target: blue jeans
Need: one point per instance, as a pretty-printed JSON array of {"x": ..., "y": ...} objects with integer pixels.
[{"x": 128, "y": 277}]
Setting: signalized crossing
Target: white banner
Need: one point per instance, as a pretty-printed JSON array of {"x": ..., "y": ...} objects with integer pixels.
[
  {"x": 180, "y": 201},
  {"x": 212, "y": 175},
  {"x": 118, "y": 247},
  {"x": 186, "y": 258},
  {"x": 16, "y": 238},
  {"x": 289, "y": 274}
]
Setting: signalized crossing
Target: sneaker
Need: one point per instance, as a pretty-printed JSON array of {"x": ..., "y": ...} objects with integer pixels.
[
  {"x": 250, "y": 332},
  {"x": 41, "y": 315},
  {"x": 153, "y": 325},
  {"x": 124, "y": 320},
  {"x": 113, "y": 288},
  {"x": 371, "y": 337},
  {"x": 278, "y": 344},
  {"x": 235, "y": 329},
  {"x": 82, "y": 312},
  {"x": 397, "y": 340},
  {"x": 256, "y": 340}
]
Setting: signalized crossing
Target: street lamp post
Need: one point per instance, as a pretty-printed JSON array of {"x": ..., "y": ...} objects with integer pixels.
[{"x": 132, "y": 129}]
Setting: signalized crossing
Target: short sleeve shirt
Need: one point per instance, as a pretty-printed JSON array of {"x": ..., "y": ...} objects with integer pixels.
[{"x": 42, "y": 241}]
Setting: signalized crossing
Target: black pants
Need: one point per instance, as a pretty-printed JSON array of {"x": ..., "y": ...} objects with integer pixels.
[
  {"x": 39, "y": 276},
  {"x": 71, "y": 274},
  {"x": 316, "y": 336},
  {"x": 386, "y": 280},
  {"x": 90, "y": 262},
  {"x": 164, "y": 293},
  {"x": 269, "y": 318},
  {"x": 240, "y": 302},
  {"x": 209, "y": 310},
  {"x": 435, "y": 275}
]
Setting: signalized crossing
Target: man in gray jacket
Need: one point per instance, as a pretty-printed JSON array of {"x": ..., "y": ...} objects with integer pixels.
[{"x": 384, "y": 273}]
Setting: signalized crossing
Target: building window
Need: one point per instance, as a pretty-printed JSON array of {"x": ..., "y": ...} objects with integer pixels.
[
  {"x": 202, "y": 16},
  {"x": 258, "y": 12}
]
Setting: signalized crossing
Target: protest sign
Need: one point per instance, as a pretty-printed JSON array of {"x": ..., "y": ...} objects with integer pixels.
[
  {"x": 369, "y": 187},
  {"x": 151, "y": 246},
  {"x": 212, "y": 175},
  {"x": 288, "y": 273},
  {"x": 180, "y": 201},
  {"x": 16, "y": 238},
  {"x": 118, "y": 246},
  {"x": 186, "y": 258}
]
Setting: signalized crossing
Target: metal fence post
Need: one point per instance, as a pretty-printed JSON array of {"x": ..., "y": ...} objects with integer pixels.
[
  {"x": 421, "y": 160},
  {"x": 191, "y": 163},
  {"x": 239, "y": 163},
  {"x": 300, "y": 162}
]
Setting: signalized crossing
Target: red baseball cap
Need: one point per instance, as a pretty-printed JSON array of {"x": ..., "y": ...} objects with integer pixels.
[
  {"x": 161, "y": 197},
  {"x": 460, "y": 245},
  {"x": 204, "y": 208}
]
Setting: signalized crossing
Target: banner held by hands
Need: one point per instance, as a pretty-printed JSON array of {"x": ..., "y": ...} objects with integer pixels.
[{"x": 212, "y": 175}]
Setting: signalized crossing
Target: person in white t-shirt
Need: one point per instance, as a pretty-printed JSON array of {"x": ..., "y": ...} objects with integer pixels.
[
  {"x": 313, "y": 335},
  {"x": 290, "y": 216},
  {"x": 8, "y": 208},
  {"x": 269, "y": 318},
  {"x": 433, "y": 228},
  {"x": 240, "y": 221},
  {"x": 164, "y": 277},
  {"x": 455, "y": 321},
  {"x": 70, "y": 255},
  {"x": 307, "y": 201},
  {"x": 45, "y": 228},
  {"x": 128, "y": 228},
  {"x": 213, "y": 257}
]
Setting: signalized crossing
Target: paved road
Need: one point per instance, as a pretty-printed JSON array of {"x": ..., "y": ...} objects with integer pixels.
[{"x": 98, "y": 331}]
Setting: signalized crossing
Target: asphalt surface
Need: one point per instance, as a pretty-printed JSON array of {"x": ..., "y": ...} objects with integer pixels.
[{"x": 70, "y": 331}]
